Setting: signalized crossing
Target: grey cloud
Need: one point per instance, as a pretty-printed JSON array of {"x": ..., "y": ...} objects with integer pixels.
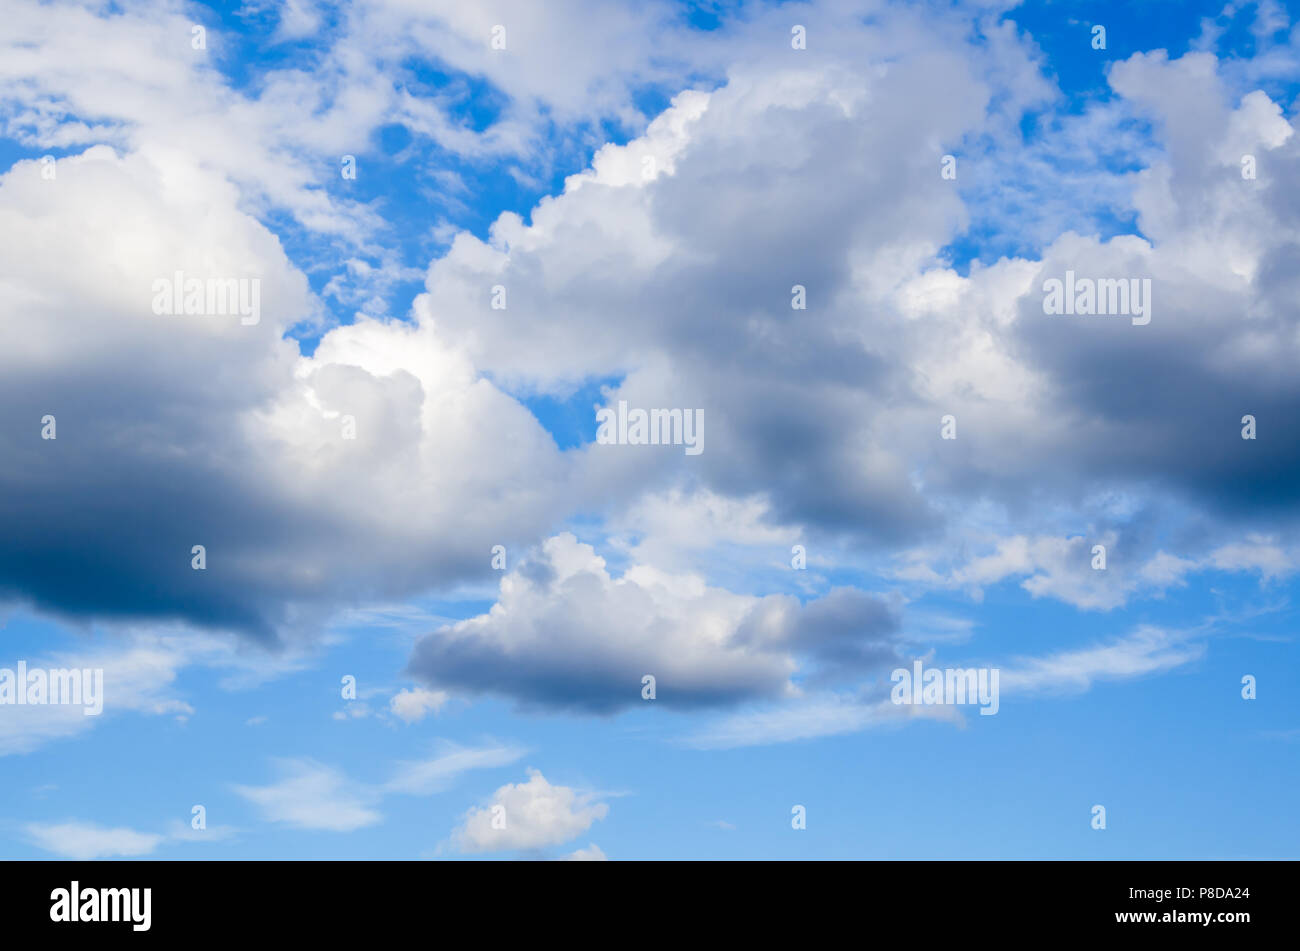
[{"x": 572, "y": 637}]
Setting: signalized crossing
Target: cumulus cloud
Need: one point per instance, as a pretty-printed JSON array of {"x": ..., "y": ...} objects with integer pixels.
[
  {"x": 664, "y": 271},
  {"x": 832, "y": 415},
  {"x": 565, "y": 633},
  {"x": 528, "y": 816},
  {"x": 415, "y": 704},
  {"x": 234, "y": 441}
]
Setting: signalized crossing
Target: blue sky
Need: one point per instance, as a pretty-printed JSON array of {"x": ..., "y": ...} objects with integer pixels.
[{"x": 525, "y": 168}]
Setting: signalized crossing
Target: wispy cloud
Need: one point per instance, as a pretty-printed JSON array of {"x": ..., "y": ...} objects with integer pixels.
[
  {"x": 421, "y": 777},
  {"x": 84, "y": 840},
  {"x": 312, "y": 796}
]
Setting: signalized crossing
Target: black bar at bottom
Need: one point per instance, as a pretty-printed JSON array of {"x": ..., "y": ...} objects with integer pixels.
[{"x": 645, "y": 901}]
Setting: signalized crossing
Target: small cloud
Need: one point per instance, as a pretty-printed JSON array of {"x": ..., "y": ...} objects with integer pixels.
[
  {"x": 312, "y": 796},
  {"x": 592, "y": 853},
  {"x": 85, "y": 840},
  {"x": 178, "y": 831},
  {"x": 531, "y": 815},
  {"x": 413, "y": 705},
  {"x": 356, "y": 710},
  {"x": 422, "y": 777}
]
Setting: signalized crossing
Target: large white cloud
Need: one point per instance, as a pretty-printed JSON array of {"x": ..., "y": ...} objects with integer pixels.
[{"x": 816, "y": 173}]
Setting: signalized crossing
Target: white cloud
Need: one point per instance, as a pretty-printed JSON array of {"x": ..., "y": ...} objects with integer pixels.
[
  {"x": 139, "y": 674},
  {"x": 677, "y": 530},
  {"x": 422, "y": 777},
  {"x": 564, "y": 632},
  {"x": 353, "y": 710},
  {"x": 1147, "y": 650},
  {"x": 415, "y": 704},
  {"x": 592, "y": 853},
  {"x": 178, "y": 831},
  {"x": 312, "y": 796},
  {"x": 1254, "y": 553},
  {"x": 1062, "y": 567},
  {"x": 535, "y": 815},
  {"x": 822, "y": 422},
  {"x": 84, "y": 840},
  {"x": 240, "y": 433},
  {"x": 817, "y": 716},
  {"x": 88, "y": 840},
  {"x": 832, "y": 418},
  {"x": 298, "y": 18}
]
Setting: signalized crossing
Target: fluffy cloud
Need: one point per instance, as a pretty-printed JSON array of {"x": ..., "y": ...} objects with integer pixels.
[
  {"x": 528, "y": 816},
  {"x": 72, "y": 75},
  {"x": 565, "y": 633},
  {"x": 1063, "y": 568},
  {"x": 230, "y": 439},
  {"x": 831, "y": 415},
  {"x": 413, "y": 705},
  {"x": 667, "y": 268}
]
